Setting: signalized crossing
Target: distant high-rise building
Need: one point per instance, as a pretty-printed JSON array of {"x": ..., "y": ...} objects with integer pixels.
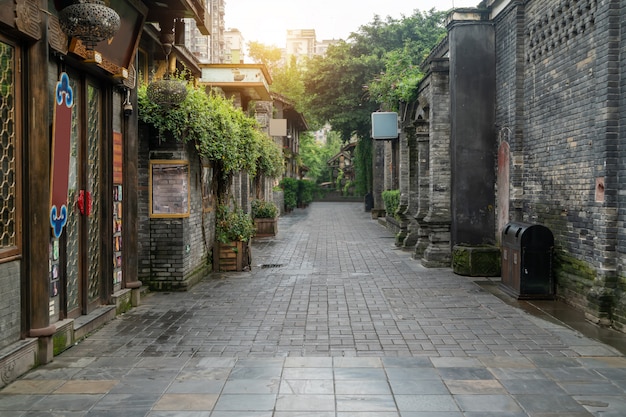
[
  {"x": 233, "y": 53},
  {"x": 300, "y": 43},
  {"x": 322, "y": 46},
  {"x": 195, "y": 41},
  {"x": 208, "y": 49},
  {"x": 218, "y": 43},
  {"x": 303, "y": 42}
]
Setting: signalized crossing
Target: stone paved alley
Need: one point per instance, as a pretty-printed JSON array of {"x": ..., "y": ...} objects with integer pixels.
[{"x": 332, "y": 320}]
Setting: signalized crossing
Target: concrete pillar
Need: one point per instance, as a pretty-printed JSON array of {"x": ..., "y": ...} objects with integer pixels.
[
  {"x": 437, "y": 222},
  {"x": 378, "y": 177},
  {"x": 409, "y": 168},
  {"x": 472, "y": 139}
]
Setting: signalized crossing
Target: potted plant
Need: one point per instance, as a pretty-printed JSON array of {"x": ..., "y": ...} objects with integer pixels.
[
  {"x": 265, "y": 215},
  {"x": 233, "y": 232}
]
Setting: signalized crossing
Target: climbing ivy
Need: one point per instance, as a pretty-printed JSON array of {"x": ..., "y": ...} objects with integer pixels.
[{"x": 220, "y": 132}]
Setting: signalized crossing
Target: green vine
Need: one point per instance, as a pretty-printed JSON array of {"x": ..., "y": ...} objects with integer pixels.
[{"x": 220, "y": 132}]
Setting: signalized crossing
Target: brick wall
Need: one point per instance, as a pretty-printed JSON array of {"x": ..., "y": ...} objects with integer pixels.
[
  {"x": 10, "y": 306},
  {"x": 619, "y": 313},
  {"x": 557, "y": 106},
  {"x": 143, "y": 212},
  {"x": 434, "y": 215},
  {"x": 173, "y": 252}
]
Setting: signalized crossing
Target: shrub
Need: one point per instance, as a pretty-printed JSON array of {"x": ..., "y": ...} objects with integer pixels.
[
  {"x": 391, "y": 198},
  {"x": 233, "y": 225},
  {"x": 306, "y": 192},
  {"x": 290, "y": 189},
  {"x": 262, "y": 209}
]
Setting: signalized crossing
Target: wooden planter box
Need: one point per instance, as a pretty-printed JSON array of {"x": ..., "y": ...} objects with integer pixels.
[
  {"x": 232, "y": 256},
  {"x": 266, "y": 227}
]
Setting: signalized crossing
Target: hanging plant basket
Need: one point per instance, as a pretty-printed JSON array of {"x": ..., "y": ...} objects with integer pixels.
[{"x": 167, "y": 92}]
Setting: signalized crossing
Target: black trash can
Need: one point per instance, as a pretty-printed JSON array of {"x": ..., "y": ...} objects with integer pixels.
[
  {"x": 527, "y": 251},
  {"x": 369, "y": 202}
]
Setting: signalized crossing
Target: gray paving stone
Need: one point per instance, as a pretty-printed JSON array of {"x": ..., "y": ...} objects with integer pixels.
[
  {"x": 245, "y": 402},
  {"x": 424, "y": 402},
  {"x": 487, "y": 403},
  {"x": 349, "y": 326}
]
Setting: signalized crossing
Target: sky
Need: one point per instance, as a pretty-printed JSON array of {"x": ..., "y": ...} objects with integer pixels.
[{"x": 268, "y": 21}]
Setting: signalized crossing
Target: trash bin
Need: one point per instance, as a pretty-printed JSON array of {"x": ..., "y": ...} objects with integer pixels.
[
  {"x": 527, "y": 261},
  {"x": 369, "y": 202}
]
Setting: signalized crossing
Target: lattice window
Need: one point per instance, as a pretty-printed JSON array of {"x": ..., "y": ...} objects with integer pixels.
[
  {"x": 94, "y": 178},
  {"x": 72, "y": 228},
  {"x": 567, "y": 20},
  {"x": 9, "y": 155}
]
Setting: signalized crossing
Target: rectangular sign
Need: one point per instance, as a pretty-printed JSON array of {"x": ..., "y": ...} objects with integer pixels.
[{"x": 384, "y": 125}]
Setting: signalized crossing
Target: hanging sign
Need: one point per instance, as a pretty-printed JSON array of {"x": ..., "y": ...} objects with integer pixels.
[
  {"x": 384, "y": 125},
  {"x": 61, "y": 140}
]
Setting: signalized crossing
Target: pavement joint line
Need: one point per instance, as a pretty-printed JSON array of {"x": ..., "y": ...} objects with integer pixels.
[{"x": 349, "y": 324}]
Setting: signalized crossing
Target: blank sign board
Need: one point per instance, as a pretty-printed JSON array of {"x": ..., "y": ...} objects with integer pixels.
[{"x": 384, "y": 125}]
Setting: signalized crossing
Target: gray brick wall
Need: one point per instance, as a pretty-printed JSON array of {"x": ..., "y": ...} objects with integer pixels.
[
  {"x": 558, "y": 107},
  {"x": 173, "y": 252},
  {"x": 10, "y": 305},
  {"x": 619, "y": 312},
  {"x": 143, "y": 212},
  {"x": 438, "y": 219}
]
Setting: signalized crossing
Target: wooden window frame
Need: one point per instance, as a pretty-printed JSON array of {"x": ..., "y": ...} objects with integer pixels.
[
  {"x": 186, "y": 205},
  {"x": 14, "y": 252}
]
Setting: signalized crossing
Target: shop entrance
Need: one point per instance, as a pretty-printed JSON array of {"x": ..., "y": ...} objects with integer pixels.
[{"x": 76, "y": 257}]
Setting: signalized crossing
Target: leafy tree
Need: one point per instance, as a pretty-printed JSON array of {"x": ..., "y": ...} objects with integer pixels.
[
  {"x": 315, "y": 155},
  {"x": 335, "y": 84},
  {"x": 288, "y": 80},
  {"x": 270, "y": 56},
  {"x": 376, "y": 68},
  {"x": 378, "y": 64},
  {"x": 402, "y": 74}
]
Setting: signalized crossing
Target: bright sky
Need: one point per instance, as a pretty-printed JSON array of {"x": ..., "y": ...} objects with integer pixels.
[{"x": 268, "y": 21}]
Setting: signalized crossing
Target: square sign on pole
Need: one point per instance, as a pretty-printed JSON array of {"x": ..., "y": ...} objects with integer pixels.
[{"x": 385, "y": 125}]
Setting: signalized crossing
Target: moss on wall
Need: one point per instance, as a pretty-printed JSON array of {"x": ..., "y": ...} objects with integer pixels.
[{"x": 476, "y": 261}]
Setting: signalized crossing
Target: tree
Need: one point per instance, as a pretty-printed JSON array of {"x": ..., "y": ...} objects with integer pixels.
[
  {"x": 335, "y": 84},
  {"x": 270, "y": 56},
  {"x": 403, "y": 73},
  {"x": 315, "y": 155},
  {"x": 377, "y": 66},
  {"x": 288, "y": 81}
]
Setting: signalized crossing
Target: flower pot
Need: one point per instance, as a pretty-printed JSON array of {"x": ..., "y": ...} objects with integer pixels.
[
  {"x": 231, "y": 256},
  {"x": 266, "y": 227}
]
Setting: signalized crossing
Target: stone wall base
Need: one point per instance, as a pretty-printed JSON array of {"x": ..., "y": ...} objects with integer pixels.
[{"x": 476, "y": 261}]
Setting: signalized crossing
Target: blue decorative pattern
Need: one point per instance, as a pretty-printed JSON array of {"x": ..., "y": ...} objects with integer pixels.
[
  {"x": 63, "y": 86},
  {"x": 58, "y": 220}
]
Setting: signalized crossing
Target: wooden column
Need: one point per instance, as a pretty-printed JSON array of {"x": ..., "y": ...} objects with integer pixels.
[
  {"x": 37, "y": 191},
  {"x": 130, "y": 211}
]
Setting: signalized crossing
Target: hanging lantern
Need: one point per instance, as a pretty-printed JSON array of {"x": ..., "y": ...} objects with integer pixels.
[
  {"x": 167, "y": 92},
  {"x": 91, "y": 21}
]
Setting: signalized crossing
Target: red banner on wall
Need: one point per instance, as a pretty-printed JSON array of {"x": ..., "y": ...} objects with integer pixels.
[{"x": 61, "y": 141}]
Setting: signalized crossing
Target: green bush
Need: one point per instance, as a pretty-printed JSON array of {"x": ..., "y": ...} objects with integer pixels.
[
  {"x": 391, "y": 198},
  {"x": 306, "y": 192},
  {"x": 262, "y": 209},
  {"x": 233, "y": 225},
  {"x": 290, "y": 189}
]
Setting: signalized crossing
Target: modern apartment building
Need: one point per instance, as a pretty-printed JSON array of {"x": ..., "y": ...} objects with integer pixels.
[
  {"x": 300, "y": 43},
  {"x": 233, "y": 52},
  {"x": 208, "y": 49}
]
